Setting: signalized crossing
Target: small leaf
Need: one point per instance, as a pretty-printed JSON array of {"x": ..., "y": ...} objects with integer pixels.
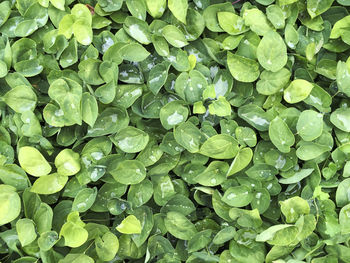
[
  {"x": 280, "y": 135},
  {"x": 89, "y": 108},
  {"x": 340, "y": 118},
  {"x": 272, "y": 52},
  {"x": 49, "y": 184},
  {"x": 238, "y": 196},
  {"x": 293, "y": 208},
  {"x": 179, "y": 226},
  {"x": 32, "y": 161},
  {"x": 84, "y": 199},
  {"x": 59, "y": 4},
  {"x": 174, "y": 36},
  {"x": 310, "y": 125},
  {"x": 179, "y": 9},
  {"x": 67, "y": 162},
  {"x": 107, "y": 246},
  {"x": 10, "y": 204},
  {"x": 26, "y": 231},
  {"x": 220, "y": 146},
  {"x": 297, "y": 91},
  {"x": 73, "y": 231},
  {"x": 242, "y": 159},
  {"x": 130, "y": 225},
  {"x": 242, "y": 69},
  {"x": 21, "y": 99}
]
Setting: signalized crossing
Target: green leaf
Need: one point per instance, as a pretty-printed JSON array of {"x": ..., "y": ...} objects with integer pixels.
[
  {"x": 275, "y": 15},
  {"x": 47, "y": 240},
  {"x": 255, "y": 116},
  {"x": 129, "y": 172},
  {"x": 110, "y": 121},
  {"x": 33, "y": 162},
  {"x": 297, "y": 91},
  {"x": 291, "y": 36},
  {"x": 272, "y": 82},
  {"x": 344, "y": 219},
  {"x": 140, "y": 193},
  {"x": 238, "y": 196},
  {"x": 89, "y": 109},
  {"x": 130, "y": 225},
  {"x": 70, "y": 54},
  {"x": 67, "y": 162},
  {"x": 10, "y": 204},
  {"x": 199, "y": 240},
  {"x": 137, "y": 29},
  {"x": 262, "y": 172},
  {"x": 272, "y": 52},
  {"x": 343, "y": 77},
  {"x": 220, "y": 146},
  {"x": 3, "y": 69},
  {"x": 26, "y": 231},
  {"x": 270, "y": 233},
  {"x": 157, "y": 78},
  {"x": 179, "y": 226},
  {"x": 21, "y": 99},
  {"x": 5, "y": 12},
  {"x": 174, "y": 36},
  {"x": 242, "y": 69},
  {"x": 211, "y": 18},
  {"x": 310, "y": 125},
  {"x": 133, "y": 52},
  {"x": 293, "y": 208},
  {"x": 257, "y": 21},
  {"x": 242, "y": 159},
  {"x": 297, "y": 177},
  {"x": 213, "y": 175},
  {"x": 246, "y": 136},
  {"x": 342, "y": 196},
  {"x": 246, "y": 218},
  {"x": 224, "y": 235},
  {"x": 82, "y": 32},
  {"x": 155, "y": 8},
  {"x": 13, "y": 175},
  {"x": 89, "y": 71},
  {"x": 66, "y": 26},
  {"x": 59, "y": 4},
  {"x": 310, "y": 150},
  {"x": 81, "y": 11},
  {"x": 280, "y": 135},
  {"x": 49, "y": 184},
  {"x": 172, "y": 114},
  {"x": 191, "y": 86},
  {"x": 188, "y": 136},
  {"x": 43, "y": 218},
  {"x": 179, "y": 203},
  {"x": 131, "y": 140},
  {"x": 340, "y": 119},
  {"x": 73, "y": 231},
  {"x": 67, "y": 93},
  {"x": 231, "y": 23},
  {"x": 110, "y": 6},
  {"x": 137, "y": 8},
  {"x": 107, "y": 246},
  {"x": 84, "y": 199},
  {"x": 179, "y": 9},
  {"x": 220, "y": 107},
  {"x": 315, "y": 8},
  {"x": 75, "y": 258}
]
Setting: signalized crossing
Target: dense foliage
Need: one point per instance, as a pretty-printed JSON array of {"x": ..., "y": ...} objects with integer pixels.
[{"x": 175, "y": 131}]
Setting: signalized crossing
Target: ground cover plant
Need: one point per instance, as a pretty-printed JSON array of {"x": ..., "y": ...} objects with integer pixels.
[{"x": 175, "y": 131}]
